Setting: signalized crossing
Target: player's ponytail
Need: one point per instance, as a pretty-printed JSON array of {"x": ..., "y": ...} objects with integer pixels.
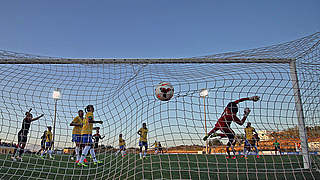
[{"x": 88, "y": 107}]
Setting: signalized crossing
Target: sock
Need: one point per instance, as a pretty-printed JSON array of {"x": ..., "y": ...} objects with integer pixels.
[
  {"x": 84, "y": 153},
  {"x": 77, "y": 150},
  {"x": 15, "y": 151},
  {"x": 140, "y": 154},
  {"x": 43, "y": 153},
  {"x": 21, "y": 152},
  {"x": 145, "y": 153},
  {"x": 228, "y": 150},
  {"x": 257, "y": 151},
  {"x": 234, "y": 152},
  {"x": 117, "y": 152},
  {"x": 50, "y": 152},
  {"x": 245, "y": 152},
  {"x": 93, "y": 155}
]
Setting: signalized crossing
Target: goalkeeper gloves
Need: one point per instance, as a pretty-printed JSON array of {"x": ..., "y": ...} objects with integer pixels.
[
  {"x": 254, "y": 98},
  {"x": 246, "y": 111}
]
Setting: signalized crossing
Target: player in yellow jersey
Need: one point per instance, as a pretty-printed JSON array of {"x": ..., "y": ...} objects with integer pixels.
[
  {"x": 122, "y": 146},
  {"x": 76, "y": 133},
  {"x": 49, "y": 143},
  {"x": 86, "y": 133},
  {"x": 156, "y": 147},
  {"x": 143, "y": 132},
  {"x": 250, "y": 140}
]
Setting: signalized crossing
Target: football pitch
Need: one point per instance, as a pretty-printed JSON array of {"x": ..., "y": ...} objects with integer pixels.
[{"x": 165, "y": 166}]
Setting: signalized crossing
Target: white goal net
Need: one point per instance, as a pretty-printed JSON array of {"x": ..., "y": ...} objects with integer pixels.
[{"x": 286, "y": 77}]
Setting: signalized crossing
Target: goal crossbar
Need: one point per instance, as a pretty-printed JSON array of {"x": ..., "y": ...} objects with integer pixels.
[{"x": 143, "y": 61}]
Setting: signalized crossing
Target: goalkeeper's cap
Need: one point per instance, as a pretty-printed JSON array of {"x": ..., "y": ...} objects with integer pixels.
[{"x": 233, "y": 107}]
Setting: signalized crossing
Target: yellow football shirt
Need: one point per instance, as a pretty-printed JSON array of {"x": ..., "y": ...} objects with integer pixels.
[
  {"x": 143, "y": 135},
  {"x": 48, "y": 136},
  {"x": 77, "y": 129},
  {"x": 121, "y": 142},
  {"x": 87, "y": 127},
  {"x": 249, "y": 133},
  {"x": 156, "y": 144}
]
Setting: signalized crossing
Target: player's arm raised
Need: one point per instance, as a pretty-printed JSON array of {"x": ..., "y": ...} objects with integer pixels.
[
  {"x": 253, "y": 98},
  {"x": 34, "y": 119}
]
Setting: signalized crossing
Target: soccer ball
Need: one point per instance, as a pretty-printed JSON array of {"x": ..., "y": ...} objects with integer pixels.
[{"x": 164, "y": 91}]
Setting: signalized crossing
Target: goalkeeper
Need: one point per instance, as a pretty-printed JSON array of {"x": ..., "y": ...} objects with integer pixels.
[{"x": 230, "y": 114}]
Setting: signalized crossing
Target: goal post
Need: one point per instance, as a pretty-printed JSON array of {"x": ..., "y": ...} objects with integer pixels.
[{"x": 300, "y": 115}]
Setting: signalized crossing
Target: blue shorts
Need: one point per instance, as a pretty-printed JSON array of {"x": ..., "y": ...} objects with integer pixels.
[
  {"x": 76, "y": 138},
  {"x": 249, "y": 143},
  {"x": 48, "y": 144},
  {"x": 86, "y": 138},
  {"x": 122, "y": 147},
  {"x": 142, "y": 143},
  {"x": 246, "y": 143}
]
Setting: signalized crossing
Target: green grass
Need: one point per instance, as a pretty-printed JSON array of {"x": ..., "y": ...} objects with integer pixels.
[{"x": 165, "y": 166}]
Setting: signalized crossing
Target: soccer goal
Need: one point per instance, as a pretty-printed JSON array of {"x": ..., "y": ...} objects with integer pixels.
[{"x": 286, "y": 117}]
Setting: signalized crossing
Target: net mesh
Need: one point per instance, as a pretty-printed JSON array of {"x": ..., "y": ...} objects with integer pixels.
[{"x": 122, "y": 92}]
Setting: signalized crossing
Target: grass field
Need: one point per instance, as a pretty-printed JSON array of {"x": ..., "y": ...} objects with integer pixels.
[{"x": 166, "y": 166}]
